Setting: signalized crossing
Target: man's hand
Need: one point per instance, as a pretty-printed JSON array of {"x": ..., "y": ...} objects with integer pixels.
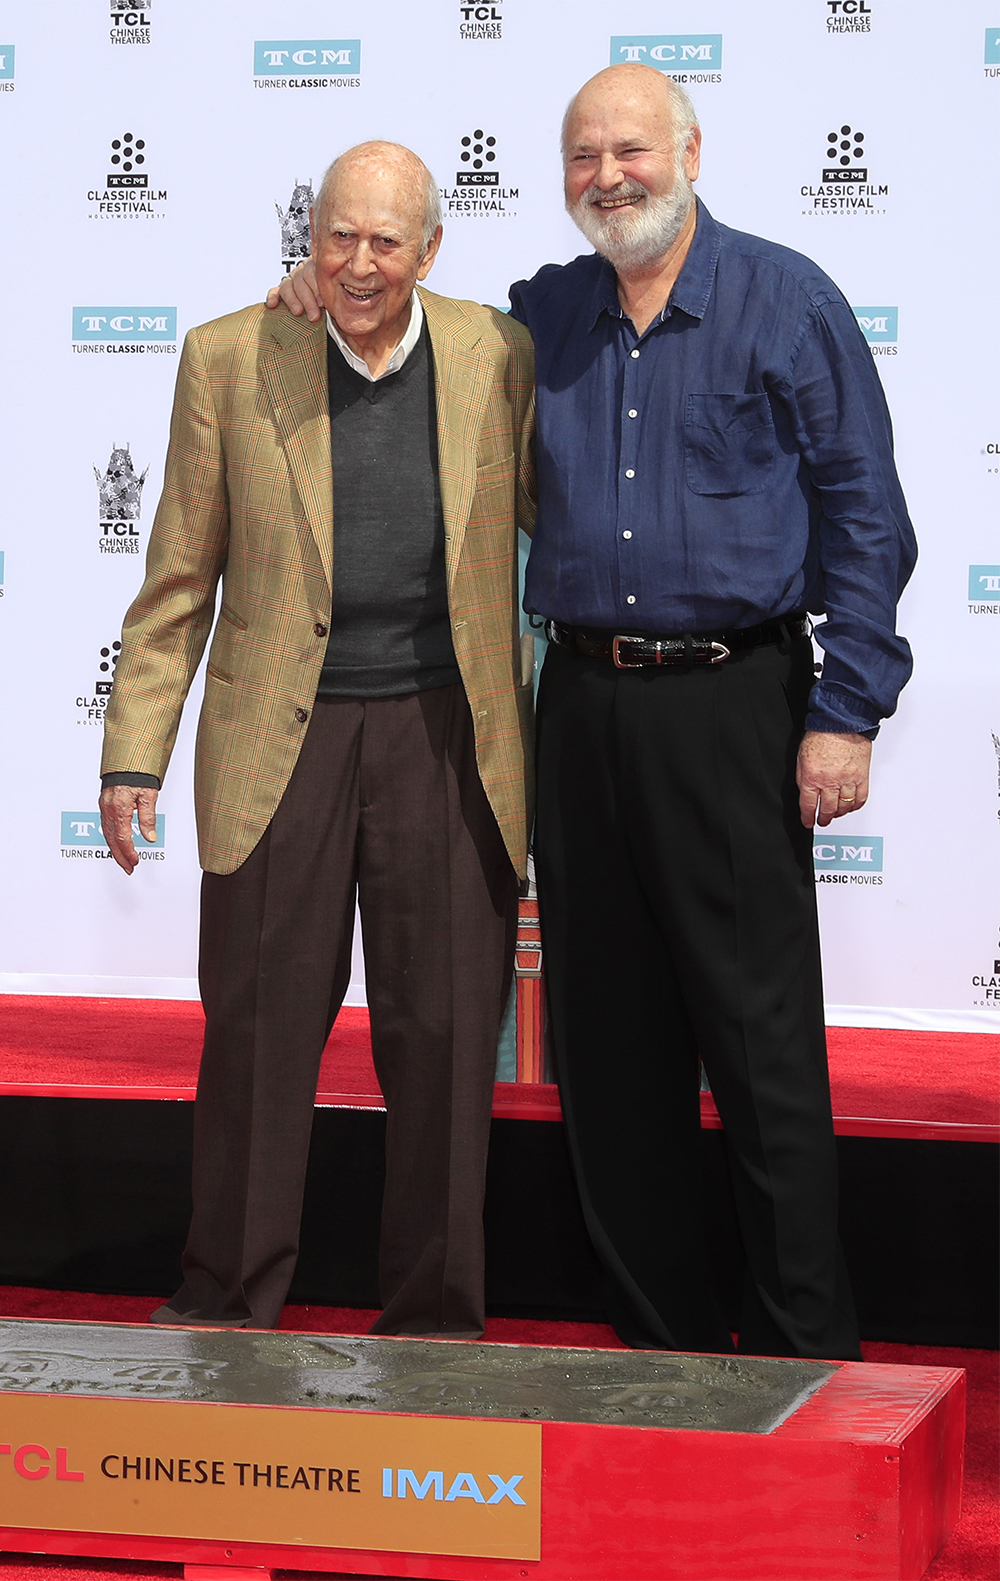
[
  {"x": 117, "y": 805},
  {"x": 832, "y": 775},
  {"x": 298, "y": 292}
]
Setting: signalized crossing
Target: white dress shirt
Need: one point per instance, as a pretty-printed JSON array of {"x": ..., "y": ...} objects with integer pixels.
[{"x": 401, "y": 352}]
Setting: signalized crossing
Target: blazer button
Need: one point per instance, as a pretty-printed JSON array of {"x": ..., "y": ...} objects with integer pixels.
[
  {"x": 319, "y": 629},
  {"x": 301, "y": 715}
]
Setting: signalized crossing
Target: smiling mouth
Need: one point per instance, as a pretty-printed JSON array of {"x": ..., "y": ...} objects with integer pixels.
[
  {"x": 616, "y": 203},
  {"x": 359, "y": 296}
]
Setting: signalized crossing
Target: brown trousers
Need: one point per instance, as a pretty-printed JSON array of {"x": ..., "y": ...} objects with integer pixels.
[{"x": 385, "y": 801}]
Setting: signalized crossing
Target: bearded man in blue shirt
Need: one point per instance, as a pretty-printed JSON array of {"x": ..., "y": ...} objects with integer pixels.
[{"x": 714, "y": 462}]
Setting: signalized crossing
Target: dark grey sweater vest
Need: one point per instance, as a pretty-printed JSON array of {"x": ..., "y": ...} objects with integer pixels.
[{"x": 390, "y": 631}]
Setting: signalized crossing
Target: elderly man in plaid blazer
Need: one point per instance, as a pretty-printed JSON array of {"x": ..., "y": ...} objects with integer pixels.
[{"x": 357, "y": 486}]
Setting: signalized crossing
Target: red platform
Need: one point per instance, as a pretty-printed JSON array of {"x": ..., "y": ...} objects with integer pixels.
[
  {"x": 862, "y": 1481},
  {"x": 918, "y": 1085}
]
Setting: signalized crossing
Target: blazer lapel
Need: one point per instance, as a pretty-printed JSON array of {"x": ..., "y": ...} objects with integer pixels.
[
  {"x": 293, "y": 368},
  {"x": 462, "y": 375}
]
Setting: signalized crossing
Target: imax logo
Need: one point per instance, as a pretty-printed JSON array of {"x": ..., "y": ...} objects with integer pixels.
[
  {"x": 984, "y": 584},
  {"x": 299, "y": 57},
  {"x": 6, "y": 60},
  {"x": 464, "y": 1486},
  {"x": 670, "y": 51},
  {"x": 862, "y": 852},
  {"x": 84, "y": 829},
  {"x": 880, "y": 324},
  {"x": 124, "y": 323}
]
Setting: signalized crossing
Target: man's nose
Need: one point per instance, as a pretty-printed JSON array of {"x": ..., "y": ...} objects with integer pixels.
[
  {"x": 609, "y": 173},
  {"x": 363, "y": 259}
]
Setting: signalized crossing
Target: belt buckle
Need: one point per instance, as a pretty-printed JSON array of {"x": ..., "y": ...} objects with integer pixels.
[
  {"x": 719, "y": 653},
  {"x": 617, "y": 661}
]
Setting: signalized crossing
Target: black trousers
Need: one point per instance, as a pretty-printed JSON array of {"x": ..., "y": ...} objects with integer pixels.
[
  {"x": 384, "y": 802},
  {"x": 679, "y": 918}
]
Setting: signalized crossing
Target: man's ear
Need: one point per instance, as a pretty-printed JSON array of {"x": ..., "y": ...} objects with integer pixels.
[
  {"x": 430, "y": 253},
  {"x": 692, "y": 154}
]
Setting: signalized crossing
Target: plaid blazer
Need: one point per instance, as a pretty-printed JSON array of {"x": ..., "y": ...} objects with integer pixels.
[{"x": 248, "y": 497}]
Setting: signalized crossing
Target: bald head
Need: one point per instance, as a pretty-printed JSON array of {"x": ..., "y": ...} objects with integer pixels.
[
  {"x": 627, "y": 91},
  {"x": 395, "y": 176}
]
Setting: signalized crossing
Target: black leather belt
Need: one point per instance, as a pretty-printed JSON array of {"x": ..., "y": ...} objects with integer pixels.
[{"x": 634, "y": 652}]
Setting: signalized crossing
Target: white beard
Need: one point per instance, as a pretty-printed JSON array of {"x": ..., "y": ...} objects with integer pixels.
[{"x": 633, "y": 238}]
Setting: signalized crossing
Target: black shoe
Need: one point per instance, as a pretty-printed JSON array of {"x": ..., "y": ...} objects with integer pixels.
[{"x": 167, "y": 1317}]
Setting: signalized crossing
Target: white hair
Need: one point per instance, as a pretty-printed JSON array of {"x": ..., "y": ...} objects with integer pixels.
[{"x": 432, "y": 201}]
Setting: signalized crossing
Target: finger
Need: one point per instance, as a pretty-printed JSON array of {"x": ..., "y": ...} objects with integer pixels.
[
  {"x": 286, "y": 291},
  {"x": 116, "y": 822},
  {"x": 808, "y": 803},
  {"x": 828, "y": 804},
  {"x": 147, "y": 818},
  {"x": 847, "y": 800},
  {"x": 273, "y": 297}
]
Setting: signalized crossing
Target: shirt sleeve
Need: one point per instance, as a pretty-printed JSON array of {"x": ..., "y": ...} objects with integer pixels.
[
  {"x": 516, "y": 297},
  {"x": 867, "y": 547},
  {"x": 146, "y": 781}
]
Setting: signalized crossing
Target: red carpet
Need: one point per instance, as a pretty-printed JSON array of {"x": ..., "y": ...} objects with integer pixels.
[
  {"x": 889, "y": 1083},
  {"x": 971, "y": 1555}
]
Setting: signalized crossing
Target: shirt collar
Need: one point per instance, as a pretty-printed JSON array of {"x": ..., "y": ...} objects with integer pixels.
[
  {"x": 693, "y": 285},
  {"x": 401, "y": 352}
]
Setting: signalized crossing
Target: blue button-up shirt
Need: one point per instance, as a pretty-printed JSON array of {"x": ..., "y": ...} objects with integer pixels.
[{"x": 732, "y": 464}]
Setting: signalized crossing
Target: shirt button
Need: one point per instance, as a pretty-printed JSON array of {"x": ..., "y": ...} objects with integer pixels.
[
  {"x": 633, "y": 413},
  {"x": 629, "y": 473},
  {"x": 633, "y": 353},
  {"x": 630, "y": 599},
  {"x": 301, "y": 715},
  {"x": 626, "y": 534},
  {"x": 319, "y": 629}
]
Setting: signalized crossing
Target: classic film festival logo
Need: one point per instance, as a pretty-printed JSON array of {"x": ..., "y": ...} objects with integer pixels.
[
  {"x": 687, "y": 57},
  {"x": 845, "y": 187},
  {"x": 478, "y": 191},
  {"x": 848, "y": 16},
  {"x": 991, "y": 54},
  {"x": 296, "y": 243},
  {"x": 850, "y": 859},
  {"x": 307, "y": 63},
  {"x": 6, "y": 68},
  {"x": 129, "y": 24},
  {"x": 984, "y": 590},
  {"x": 128, "y": 193},
  {"x": 81, "y": 837},
  {"x": 125, "y": 330},
  {"x": 880, "y": 327},
  {"x": 90, "y": 705},
  {"x": 480, "y": 21},
  {"x": 120, "y": 491}
]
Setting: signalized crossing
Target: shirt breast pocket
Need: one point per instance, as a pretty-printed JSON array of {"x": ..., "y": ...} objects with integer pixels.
[{"x": 729, "y": 444}]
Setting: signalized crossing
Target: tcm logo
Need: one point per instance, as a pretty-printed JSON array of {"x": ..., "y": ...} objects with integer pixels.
[
  {"x": 991, "y": 56},
  {"x": 304, "y": 57},
  {"x": 860, "y": 853},
  {"x": 670, "y": 51},
  {"x": 464, "y": 1486},
  {"x": 33, "y": 1462},
  {"x": 83, "y": 830},
  {"x": 6, "y": 62},
  {"x": 984, "y": 584},
  {"x": 880, "y": 324},
  {"x": 124, "y": 323},
  {"x": 845, "y": 150}
]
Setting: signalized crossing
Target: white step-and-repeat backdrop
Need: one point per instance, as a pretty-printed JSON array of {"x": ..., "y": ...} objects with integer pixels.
[{"x": 157, "y": 166}]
